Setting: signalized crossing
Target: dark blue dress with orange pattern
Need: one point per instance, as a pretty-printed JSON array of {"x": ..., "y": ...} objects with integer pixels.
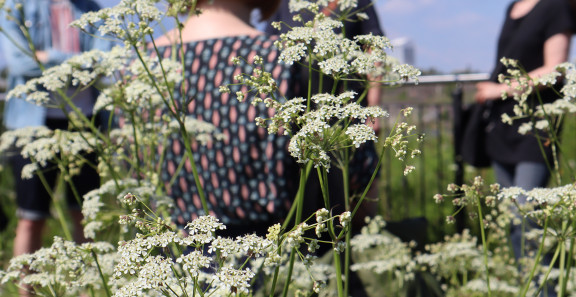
[{"x": 249, "y": 178}]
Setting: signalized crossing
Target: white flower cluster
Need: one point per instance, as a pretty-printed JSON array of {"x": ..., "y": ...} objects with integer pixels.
[
  {"x": 66, "y": 267},
  {"x": 320, "y": 130},
  {"x": 43, "y": 146},
  {"x": 320, "y": 42},
  {"x": 335, "y": 55},
  {"x": 109, "y": 198},
  {"x": 210, "y": 267},
  {"x": 557, "y": 202},
  {"x": 130, "y": 21},
  {"x": 234, "y": 281},
  {"x": 377, "y": 252},
  {"x": 18, "y": 138},
  {"x": 497, "y": 286},
  {"x": 456, "y": 254},
  {"x": 80, "y": 71}
]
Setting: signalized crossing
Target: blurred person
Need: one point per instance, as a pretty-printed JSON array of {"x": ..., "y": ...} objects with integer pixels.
[
  {"x": 53, "y": 42},
  {"x": 249, "y": 177},
  {"x": 537, "y": 34},
  {"x": 366, "y": 157}
]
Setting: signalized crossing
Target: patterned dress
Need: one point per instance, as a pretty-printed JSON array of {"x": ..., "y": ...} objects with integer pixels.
[{"x": 249, "y": 178}]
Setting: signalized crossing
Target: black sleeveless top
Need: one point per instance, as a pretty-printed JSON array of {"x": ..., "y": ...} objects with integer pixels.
[{"x": 523, "y": 39}]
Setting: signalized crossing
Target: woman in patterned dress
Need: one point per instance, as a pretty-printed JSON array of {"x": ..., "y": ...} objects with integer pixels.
[{"x": 249, "y": 178}]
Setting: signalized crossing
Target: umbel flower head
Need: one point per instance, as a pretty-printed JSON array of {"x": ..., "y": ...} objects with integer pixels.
[
  {"x": 321, "y": 126},
  {"x": 321, "y": 40}
]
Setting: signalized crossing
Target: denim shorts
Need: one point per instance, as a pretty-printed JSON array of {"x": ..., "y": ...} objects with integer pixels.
[{"x": 33, "y": 199}]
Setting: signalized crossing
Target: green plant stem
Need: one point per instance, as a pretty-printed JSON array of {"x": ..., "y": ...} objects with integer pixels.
[
  {"x": 184, "y": 135},
  {"x": 323, "y": 176},
  {"x": 299, "y": 199},
  {"x": 484, "y": 245},
  {"x": 289, "y": 273},
  {"x": 299, "y": 203},
  {"x": 179, "y": 283},
  {"x": 52, "y": 291},
  {"x": 57, "y": 206},
  {"x": 309, "y": 98},
  {"x": 338, "y": 266},
  {"x": 374, "y": 174},
  {"x": 323, "y": 181},
  {"x": 347, "y": 252},
  {"x": 537, "y": 260},
  {"x": 104, "y": 283},
  {"x": 559, "y": 251},
  {"x": 274, "y": 281},
  {"x": 562, "y": 267},
  {"x": 563, "y": 285}
]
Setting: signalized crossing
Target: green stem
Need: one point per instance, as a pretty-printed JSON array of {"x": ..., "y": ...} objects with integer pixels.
[
  {"x": 184, "y": 135},
  {"x": 57, "y": 206},
  {"x": 323, "y": 176},
  {"x": 274, "y": 281},
  {"x": 299, "y": 199},
  {"x": 347, "y": 252},
  {"x": 289, "y": 273},
  {"x": 537, "y": 260},
  {"x": 563, "y": 285},
  {"x": 299, "y": 203},
  {"x": 484, "y": 245},
  {"x": 104, "y": 283},
  {"x": 559, "y": 251},
  {"x": 338, "y": 266}
]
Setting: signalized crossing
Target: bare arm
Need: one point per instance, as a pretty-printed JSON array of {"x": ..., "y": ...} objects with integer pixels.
[{"x": 556, "y": 49}]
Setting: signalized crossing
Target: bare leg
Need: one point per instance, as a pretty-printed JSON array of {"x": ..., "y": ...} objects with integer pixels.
[
  {"x": 78, "y": 234},
  {"x": 28, "y": 236},
  {"x": 28, "y": 240}
]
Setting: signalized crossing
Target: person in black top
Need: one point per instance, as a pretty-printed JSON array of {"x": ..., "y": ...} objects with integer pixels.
[{"x": 537, "y": 34}]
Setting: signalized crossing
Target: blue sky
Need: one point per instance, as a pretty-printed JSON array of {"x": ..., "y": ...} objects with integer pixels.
[{"x": 448, "y": 35}]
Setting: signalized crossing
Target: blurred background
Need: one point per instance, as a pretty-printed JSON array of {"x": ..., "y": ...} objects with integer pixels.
[{"x": 453, "y": 43}]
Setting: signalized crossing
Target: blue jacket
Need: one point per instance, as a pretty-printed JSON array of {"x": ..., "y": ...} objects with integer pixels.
[{"x": 19, "y": 113}]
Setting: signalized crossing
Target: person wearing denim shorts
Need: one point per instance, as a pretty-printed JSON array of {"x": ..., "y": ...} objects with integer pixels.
[{"x": 47, "y": 22}]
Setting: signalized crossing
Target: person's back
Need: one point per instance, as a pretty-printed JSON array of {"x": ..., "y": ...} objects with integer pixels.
[{"x": 249, "y": 176}]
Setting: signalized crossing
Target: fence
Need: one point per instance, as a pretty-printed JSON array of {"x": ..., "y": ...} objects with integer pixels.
[
  {"x": 434, "y": 100},
  {"x": 437, "y": 103}
]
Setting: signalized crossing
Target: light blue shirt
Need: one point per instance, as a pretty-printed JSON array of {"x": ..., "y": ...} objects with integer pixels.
[{"x": 19, "y": 113}]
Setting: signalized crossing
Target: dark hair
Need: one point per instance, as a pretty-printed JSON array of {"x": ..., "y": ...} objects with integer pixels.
[
  {"x": 573, "y": 6},
  {"x": 267, "y": 7}
]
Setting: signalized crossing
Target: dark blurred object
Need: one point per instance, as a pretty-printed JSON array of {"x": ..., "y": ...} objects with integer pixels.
[
  {"x": 411, "y": 229},
  {"x": 3, "y": 219}
]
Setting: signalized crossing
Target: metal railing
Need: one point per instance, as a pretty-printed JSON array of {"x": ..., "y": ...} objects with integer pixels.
[{"x": 440, "y": 164}]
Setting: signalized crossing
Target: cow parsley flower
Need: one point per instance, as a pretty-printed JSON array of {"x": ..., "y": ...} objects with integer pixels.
[
  {"x": 204, "y": 225},
  {"x": 194, "y": 262},
  {"x": 234, "y": 281}
]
